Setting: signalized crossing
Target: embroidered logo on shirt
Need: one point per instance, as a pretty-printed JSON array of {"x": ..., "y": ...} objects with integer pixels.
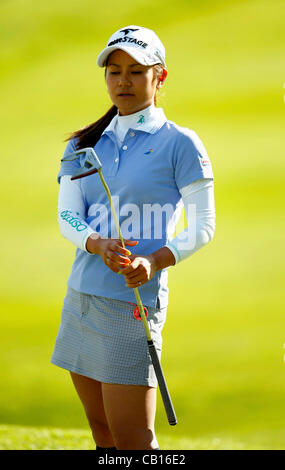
[
  {"x": 141, "y": 119},
  {"x": 148, "y": 152}
]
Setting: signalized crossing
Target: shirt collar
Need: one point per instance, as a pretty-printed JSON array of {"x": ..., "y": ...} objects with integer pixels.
[{"x": 149, "y": 120}]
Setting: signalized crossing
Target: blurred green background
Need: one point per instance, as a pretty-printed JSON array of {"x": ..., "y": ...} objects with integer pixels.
[{"x": 224, "y": 338}]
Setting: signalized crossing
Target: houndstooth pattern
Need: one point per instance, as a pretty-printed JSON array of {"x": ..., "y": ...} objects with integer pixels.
[{"x": 99, "y": 338}]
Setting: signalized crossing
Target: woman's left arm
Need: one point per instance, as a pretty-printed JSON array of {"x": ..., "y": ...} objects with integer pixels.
[
  {"x": 199, "y": 203},
  {"x": 198, "y": 195}
]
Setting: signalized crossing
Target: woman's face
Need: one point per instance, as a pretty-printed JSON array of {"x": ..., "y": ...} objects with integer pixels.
[{"x": 131, "y": 86}]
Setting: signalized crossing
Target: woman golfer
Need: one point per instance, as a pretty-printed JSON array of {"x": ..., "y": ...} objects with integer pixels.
[{"x": 152, "y": 167}]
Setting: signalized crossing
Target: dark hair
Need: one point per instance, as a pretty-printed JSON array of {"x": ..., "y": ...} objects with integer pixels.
[{"x": 89, "y": 135}]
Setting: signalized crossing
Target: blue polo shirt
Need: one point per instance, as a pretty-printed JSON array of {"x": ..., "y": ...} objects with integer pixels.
[{"x": 156, "y": 159}]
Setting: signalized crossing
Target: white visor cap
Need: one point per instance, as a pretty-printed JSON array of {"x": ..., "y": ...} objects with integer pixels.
[{"x": 140, "y": 43}]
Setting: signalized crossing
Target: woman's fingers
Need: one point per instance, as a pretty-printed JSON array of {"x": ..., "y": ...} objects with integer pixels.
[
  {"x": 138, "y": 272},
  {"x": 136, "y": 278},
  {"x": 133, "y": 266},
  {"x": 131, "y": 242},
  {"x": 134, "y": 284},
  {"x": 135, "y": 281},
  {"x": 117, "y": 259},
  {"x": 116, "y": 267},
  {"x": 133, "y": 273},
  {"x": 120, "y": 249}
]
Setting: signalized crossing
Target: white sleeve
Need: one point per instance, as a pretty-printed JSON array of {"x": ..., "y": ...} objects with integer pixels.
[
  {"x": 199, "y": 203},
  {"x": 71, "y": 213}
]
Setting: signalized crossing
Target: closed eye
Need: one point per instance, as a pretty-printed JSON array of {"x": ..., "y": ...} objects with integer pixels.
[{"x": 133, "y": 73}]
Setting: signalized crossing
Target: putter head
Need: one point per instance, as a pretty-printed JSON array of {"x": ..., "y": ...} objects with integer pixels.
[{"x": 91, "y": 162}]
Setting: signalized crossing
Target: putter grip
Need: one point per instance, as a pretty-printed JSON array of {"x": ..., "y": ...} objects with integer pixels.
[{"x": 162, "y": 384}]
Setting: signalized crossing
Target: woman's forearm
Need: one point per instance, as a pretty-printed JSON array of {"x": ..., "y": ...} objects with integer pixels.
[
  {"x": 71, "y": 213},
  {"x": 199, "y": 203},
  {"x": 162, "y": 258},
  {"x": 93, "y": 243}
]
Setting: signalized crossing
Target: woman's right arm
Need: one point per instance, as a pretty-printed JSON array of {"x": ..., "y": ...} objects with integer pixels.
[
  {"x": 71, "y": 213},
  {"x": 71, "y": 218}
]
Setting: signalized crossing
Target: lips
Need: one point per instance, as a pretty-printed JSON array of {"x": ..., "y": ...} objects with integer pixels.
[{"x": 126, "y": 94}]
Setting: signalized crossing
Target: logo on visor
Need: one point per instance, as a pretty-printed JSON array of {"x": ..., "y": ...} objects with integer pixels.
[
  {"x": 126, "y": 31},
  {"x": 128, "y": 39}
]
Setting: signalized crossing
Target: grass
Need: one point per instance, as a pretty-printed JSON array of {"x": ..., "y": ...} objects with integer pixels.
[
  {"x": 30, "y": 438},
  {"x": 223, "y": 340}
]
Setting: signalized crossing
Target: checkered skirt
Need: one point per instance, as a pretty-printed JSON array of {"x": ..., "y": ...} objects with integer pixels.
[{"x": 100, "y": 338}]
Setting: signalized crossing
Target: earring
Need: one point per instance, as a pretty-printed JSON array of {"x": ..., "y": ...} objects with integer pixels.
[{"x": 163, "y": 76}]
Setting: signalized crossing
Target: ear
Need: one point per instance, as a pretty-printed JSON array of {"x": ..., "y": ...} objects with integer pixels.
[
  {"x": 161, "y": 79},
  {"x": 163, "y": 76}
]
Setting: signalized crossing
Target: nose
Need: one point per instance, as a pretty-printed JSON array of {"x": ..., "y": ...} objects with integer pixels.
[{"x": 124, "y": 80}]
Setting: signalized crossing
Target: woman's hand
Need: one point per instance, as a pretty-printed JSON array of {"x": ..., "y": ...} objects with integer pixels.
[
  {"x": 108, "y": 249},
  {"x": 140, "y": 271}
]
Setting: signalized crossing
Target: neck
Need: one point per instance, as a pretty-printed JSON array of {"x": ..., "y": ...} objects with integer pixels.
[{"x": 122, "y": 114}]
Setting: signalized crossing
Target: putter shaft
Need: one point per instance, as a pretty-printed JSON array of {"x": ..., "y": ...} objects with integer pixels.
[{"x": 152, "y": 350}]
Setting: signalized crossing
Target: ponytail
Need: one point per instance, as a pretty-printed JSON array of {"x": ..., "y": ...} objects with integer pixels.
[{"x": 88, "y": 136}]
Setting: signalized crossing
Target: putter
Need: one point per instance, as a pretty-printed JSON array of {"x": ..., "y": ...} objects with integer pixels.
[{"x": 90, "y": 166}]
